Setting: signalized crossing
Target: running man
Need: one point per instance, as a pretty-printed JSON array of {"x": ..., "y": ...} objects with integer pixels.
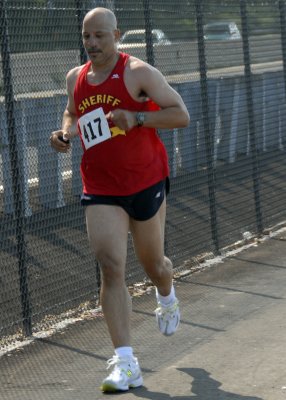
[{"x": 115, "y": 103}]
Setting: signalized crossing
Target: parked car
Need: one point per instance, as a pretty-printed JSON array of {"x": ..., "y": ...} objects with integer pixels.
[
  {"x": 138, "y": 37},
  {"x": 221, "y": 31}
]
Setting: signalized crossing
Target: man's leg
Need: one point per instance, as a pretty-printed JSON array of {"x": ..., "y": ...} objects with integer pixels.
[
  {"x": 148, "y": 237},
  {"x": 107, "y": 228}
]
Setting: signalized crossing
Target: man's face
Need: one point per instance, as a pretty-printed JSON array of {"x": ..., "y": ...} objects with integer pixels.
[{"x": 99, "y": 39}]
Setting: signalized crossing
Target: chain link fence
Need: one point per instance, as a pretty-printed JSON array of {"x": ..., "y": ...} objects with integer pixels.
[{"x": 227, "y": 59}]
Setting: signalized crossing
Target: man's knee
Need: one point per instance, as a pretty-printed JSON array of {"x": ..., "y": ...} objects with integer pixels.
[
  {"x": 158, "y": 267},
  {"x": 112, "y": 267}
]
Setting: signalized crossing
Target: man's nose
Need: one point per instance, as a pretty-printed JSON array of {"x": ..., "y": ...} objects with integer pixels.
[{"x": 92, "y": 41}]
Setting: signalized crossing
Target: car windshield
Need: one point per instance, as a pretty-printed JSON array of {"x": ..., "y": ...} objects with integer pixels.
[
  {"x": 133, "y": 38},
  {"x": 217, "y": 29},
  {"x": 140, "y": 37}
]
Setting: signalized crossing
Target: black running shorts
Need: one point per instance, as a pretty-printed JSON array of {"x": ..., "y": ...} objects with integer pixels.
[{"x": 140, "y": 206}]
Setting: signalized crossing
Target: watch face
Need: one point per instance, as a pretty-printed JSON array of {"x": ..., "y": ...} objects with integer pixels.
[{"x": 140, "y": 118}]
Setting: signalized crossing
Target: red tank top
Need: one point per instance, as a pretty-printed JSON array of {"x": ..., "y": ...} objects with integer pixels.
[{"x": 114, "y": 162}]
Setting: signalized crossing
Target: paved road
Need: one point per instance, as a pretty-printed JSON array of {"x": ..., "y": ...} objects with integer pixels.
[
  {"x": 230, "y": 345},
  {"x": 42, "y": 71}
]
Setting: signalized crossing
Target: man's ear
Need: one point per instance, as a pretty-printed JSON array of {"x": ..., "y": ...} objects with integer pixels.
[{"x": 117, "y": 35}]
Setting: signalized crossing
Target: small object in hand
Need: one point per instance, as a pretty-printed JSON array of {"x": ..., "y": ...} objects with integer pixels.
[{"x": 63, "y": 140}]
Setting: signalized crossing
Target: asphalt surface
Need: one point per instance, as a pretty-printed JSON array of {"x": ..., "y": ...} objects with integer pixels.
[{"x": 230, "y": 344}]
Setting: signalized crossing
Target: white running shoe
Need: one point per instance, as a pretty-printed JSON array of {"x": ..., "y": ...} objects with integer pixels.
[
  {"x": 168, "y": 318},
  {"x": 126, "y": 374}
]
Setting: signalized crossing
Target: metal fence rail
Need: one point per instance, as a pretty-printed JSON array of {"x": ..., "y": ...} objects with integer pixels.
[{"x": 227, "y": 167}]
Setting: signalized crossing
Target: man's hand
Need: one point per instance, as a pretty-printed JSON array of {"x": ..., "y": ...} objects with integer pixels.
[
  {"x": 124, "y": 119},
  {"x": 60, "y": 141}
]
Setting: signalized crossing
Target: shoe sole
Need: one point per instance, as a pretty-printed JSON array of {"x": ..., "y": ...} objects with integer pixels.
[
  {"x": 165, "y": 332},
  {"x": 110, "y": 388}
]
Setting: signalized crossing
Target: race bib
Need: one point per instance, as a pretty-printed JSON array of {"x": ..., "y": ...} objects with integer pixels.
[{"x": 94, "y": 128}]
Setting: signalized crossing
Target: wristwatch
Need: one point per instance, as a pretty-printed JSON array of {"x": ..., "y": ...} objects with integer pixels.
[{"x": 140, "y": 118}]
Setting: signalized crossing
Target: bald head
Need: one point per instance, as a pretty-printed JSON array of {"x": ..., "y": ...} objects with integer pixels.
[
  {"x": 103, "y": 18},
  {"x": 100, "y": 36}
]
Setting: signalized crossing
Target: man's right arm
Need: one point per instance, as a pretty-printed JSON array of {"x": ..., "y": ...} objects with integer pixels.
[{"x": 60, "y": 139}]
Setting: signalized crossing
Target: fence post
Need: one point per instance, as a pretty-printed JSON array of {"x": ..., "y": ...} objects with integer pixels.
[
  {"x": 251, "y": 119},
  {"x": 80, "y": 17},
  {"x": 18, "y": 194},
  {"x": 83, "y": 59},
  {"x": 148, "y": 33},
  {"x": 206, "y": 124},
  {"x": 283, "y": 36}
]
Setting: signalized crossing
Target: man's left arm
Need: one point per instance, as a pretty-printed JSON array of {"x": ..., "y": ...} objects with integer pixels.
[{"x": 172, "y": 114}]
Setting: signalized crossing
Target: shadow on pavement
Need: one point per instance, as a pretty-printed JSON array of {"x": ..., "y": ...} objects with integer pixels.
[{"x": 203, "y": 387}]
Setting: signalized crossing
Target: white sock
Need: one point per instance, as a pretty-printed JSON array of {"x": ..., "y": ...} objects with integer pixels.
[
  {"x": 166, "y": 300},
  {"x": 125, "y": 351}
]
